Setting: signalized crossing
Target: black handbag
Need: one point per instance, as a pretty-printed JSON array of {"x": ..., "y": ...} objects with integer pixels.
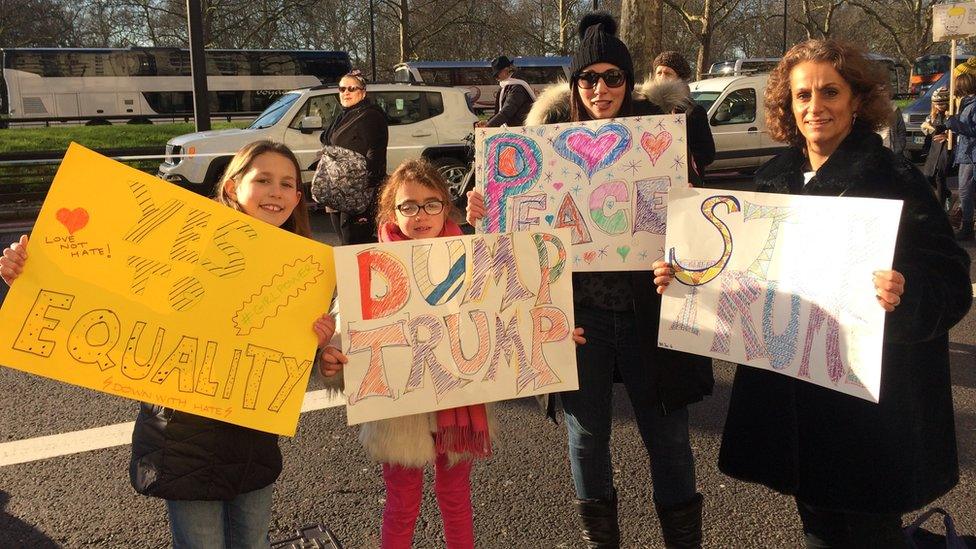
[
  {"x": 917, "y": 537},
  {"x": 341, "y": 181}
]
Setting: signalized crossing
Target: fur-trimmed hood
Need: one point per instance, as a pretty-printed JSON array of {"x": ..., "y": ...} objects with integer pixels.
[{"x": 552, "y": 105}]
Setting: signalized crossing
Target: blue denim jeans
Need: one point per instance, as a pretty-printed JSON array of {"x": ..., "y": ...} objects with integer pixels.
[
  {"x": 242, "y": 522},
  {"x": 612, "y": 343},
  {"x": 966, "y": 196}
]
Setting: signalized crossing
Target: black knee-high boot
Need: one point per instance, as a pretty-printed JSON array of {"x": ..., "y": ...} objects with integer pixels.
[
  {"x": 681, "y": 525},
  {"x": 599, "y": 518}
]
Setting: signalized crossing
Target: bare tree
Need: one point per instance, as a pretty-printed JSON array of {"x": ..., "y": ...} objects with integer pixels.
[
  {"x": 641, "y": 23},
  {"x": 908, "y": 24},
  {"x": 818, "y": 16},
  {"x": 703, "y": 23},
  {"x": 421, "y": 21}
]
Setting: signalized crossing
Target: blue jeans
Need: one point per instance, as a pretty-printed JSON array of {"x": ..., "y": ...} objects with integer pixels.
[
  {"x": 238, "y": 523},
  {"x": 966, "y": 196},
  {"x": 612, "y": 342}
]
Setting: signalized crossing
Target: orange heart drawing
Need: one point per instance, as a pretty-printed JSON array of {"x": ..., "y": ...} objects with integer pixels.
[
  {"x": 589, "y": 256},
  {"x": 73, "y": 220},
  {"x": 655, "y": 145}
]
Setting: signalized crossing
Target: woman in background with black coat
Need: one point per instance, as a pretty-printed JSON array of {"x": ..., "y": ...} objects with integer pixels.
[{"x": 361, "y": 127}]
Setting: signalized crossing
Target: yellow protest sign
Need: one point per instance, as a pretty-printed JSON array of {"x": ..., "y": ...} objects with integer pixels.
[{"x": 138, "y": 288}]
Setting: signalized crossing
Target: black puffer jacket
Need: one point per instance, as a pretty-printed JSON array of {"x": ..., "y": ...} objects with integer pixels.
[
  {"x": 839, "y": 452},
  {"x": 180, "y": 456},
  {"x": 678, "y": 378},
  {"x": 362, "y": 128}
]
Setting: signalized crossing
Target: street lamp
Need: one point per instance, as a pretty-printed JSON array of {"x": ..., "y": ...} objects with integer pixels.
[
  {"x": 784, "y": 27},
  {"x": 372, "y": 39}
]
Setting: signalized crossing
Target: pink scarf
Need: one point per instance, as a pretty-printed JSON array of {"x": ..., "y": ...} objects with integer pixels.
[{"x": 461, "y": 430}]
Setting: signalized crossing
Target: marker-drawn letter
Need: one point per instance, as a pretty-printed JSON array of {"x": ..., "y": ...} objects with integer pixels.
[
  {"x": 498, "y": 262},
  {"x": 698, "y": 277},
  {"x": 522, "y": 207},
  {"x": 550, "y": 273},
  {"x": 29, "y": 339},
  {"x": 508, "y": 343},
  {"x": 233, "y": 260},
  {"x": 469, "y": 365},
  {"x": 781, "y": 348},
  {"x": 738, "y": 294},
  {"x": 445, "y": 290},
  {"x": 93, "y": 336},
  {"x": 549, "y": 324},
  {"x": 132, "y": 367},
  {"x": 569, "y": 215},
  {"x": 609, "y": 207},
  {"x": 374, "y": 340},
  {"x": 425, "y": 358},
  {"x": 184, "y": 359},
  {"x": 394, "y": 277},
  {"x": 831, "y": 357},
  {"x": 295, "y": 372},
  {"x": 262, "y": 356},
  {"x": 651, "y": 205},
  {"x": 152, "y": 215}
]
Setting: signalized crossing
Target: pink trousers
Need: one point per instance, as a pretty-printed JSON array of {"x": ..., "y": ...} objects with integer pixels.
[{"x": 404, "y": 489}]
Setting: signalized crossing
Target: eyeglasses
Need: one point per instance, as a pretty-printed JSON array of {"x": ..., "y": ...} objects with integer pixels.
[
  {"x": 410, "y": 209},
  {"x": 350, "y": 89},
  {"x": 613, "y": 78}
]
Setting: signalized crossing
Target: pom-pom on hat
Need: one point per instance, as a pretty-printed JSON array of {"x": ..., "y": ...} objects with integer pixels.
[{"x": 599, "y": 44}]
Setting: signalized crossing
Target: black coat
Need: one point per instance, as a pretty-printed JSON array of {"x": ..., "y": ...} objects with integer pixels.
[
  {"x": 181, "y": 456},
  {"x": 363, "y": 128},
  {"x": 511, "y": 106},
  {"x": 700, "y": 142},
  {"x": 837, "y": 451},
  {"x": 678, "y": 378}
]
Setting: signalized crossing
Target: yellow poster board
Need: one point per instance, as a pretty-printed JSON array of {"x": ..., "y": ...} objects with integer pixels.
[{"x": 138, "y": 288}]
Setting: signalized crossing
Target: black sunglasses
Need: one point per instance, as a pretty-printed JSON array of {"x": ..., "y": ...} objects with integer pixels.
[
  {"x": 613, "y": 78},
  {"x": 350, "y": 89}
]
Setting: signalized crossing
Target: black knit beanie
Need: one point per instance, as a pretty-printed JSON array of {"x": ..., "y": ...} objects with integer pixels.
[
  {"x": 676, "y": 62},
  {"x": 599, "y": 44}
]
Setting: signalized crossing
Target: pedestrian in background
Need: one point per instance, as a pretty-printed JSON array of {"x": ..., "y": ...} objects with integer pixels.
[
  {"x": 361, "y": 127},
  {"x": 515, "y": 96},
  {"x": 672, "y": 66},
  {"x": 854, "y": 466},
  {"x": 964, "y": 125}
]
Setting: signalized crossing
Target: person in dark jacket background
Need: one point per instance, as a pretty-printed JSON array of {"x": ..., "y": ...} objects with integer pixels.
[
  {"x": 619, "y": 316},
  {"x": 853, "y": 466},
  {"x": 670, "y": 65},
  {"x": 515, "y": 96},
  {"x": 361, "y": 127}
]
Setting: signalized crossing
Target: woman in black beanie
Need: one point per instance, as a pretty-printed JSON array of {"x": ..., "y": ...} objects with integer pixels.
[{"x": 620, "y": 314}]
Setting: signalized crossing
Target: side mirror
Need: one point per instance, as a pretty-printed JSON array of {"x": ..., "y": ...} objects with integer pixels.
[{"x": 310, "y": 124}]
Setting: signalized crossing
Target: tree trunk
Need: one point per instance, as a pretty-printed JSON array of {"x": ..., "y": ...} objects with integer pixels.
[
  {"x": 704, "y": 41},
  {"x": 641, "y": 23},
  {"x": 563, "y": 25},
  {"x": 406, "y": 50}
]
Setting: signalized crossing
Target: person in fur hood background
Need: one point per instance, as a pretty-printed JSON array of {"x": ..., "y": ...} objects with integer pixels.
[{"x": 620, "y": 315}]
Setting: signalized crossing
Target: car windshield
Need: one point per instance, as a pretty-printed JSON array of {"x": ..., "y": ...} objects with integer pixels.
[
  {"x": 705, "y": 98},
  {"x": 274, "y": 112}
]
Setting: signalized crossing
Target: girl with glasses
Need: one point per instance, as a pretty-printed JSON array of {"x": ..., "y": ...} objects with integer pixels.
[
  {"x": 361, "y": 127},
  {"x": 619, "y": 316},
  {"x": 413, "y": 204}
]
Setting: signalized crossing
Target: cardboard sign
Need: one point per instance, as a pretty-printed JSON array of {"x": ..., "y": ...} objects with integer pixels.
[{"x": 137, "y": 288}]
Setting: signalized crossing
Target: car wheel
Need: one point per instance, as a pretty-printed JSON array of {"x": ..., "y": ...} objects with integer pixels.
[{"x": 453, "y": 171}]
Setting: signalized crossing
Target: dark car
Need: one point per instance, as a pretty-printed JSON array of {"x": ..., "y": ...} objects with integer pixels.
[{"x": 914, "y": 115}]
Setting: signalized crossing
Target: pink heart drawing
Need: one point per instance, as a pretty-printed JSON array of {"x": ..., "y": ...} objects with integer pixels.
[
  {"x": 73, "y": 220},
  {"x": 593, "y": 150},
  {"x": 557, "y": 186},
  {"x": 655, "y": 145}
]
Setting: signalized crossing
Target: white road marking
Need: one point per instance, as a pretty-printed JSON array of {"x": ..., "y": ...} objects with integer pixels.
[{"x": 33, "y": 449}]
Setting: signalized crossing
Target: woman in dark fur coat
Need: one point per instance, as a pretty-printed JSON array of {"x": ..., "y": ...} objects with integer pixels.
[
  {"x": 619, "y": 317},
  {"x": 853, "y": 466}
]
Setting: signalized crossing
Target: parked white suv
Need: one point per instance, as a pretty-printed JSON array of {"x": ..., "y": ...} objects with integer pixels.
[
  {"x": 738, "y": 121},
  {"x": 425, "y": 121}
]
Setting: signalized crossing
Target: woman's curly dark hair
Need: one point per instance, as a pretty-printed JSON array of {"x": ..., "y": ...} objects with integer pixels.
[{"x": 866, "y": 79}]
